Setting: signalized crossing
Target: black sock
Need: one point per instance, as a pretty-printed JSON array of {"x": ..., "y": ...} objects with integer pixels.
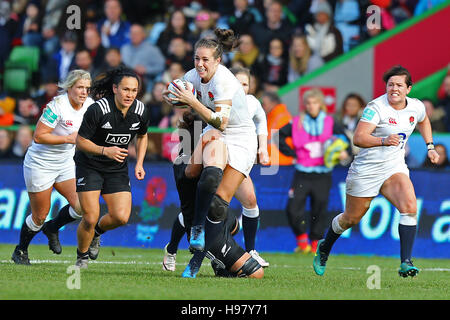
[
  {"x": 175, "y": 237},
  {"x": 330, "y": 239},
  {"x": 212, "y": 230},
  {"x": 98, "y": 231},
  {"x": 407, "y": 236},
  {"x": 26, "y": 235},
  {"x": 249, "y": 227},
  {"x": 82, "y": 255},
  {"x": 206, "y": 188},
  {"x": 197, "y": 258},
  {"x": 60, "y": 220}
]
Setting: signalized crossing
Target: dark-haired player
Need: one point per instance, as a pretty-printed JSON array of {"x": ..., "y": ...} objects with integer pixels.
[
  {"x": 382, "y": 133},
  {"x": 101, "y": 160},
  {"x": 231, "y": 261}
]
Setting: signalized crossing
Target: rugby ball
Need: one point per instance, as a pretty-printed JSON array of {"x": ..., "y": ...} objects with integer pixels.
[{"x": 180, "y": 83}]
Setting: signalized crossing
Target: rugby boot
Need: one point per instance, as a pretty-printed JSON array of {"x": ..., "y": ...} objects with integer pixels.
[
  {"x": 197, "y": 239},
  {"x": 258, "y": 258},
  {"x": 407, "y": 269},
  {"x": 20, "y": 257},
  {"x": 82, "y": 262},
  {"x": 94, "y": 248},
  {"x": 320, "y": 260},
  {"x": 191, "y": 269},
  {"x": 169, "y": 260},
  {"x": 53, "y": 239}
]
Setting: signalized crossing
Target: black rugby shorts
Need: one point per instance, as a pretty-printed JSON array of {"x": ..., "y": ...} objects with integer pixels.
[{"x": 89, "y": 179}]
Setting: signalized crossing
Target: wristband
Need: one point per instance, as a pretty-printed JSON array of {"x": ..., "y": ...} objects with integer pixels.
[
  {"x": 382, "y": 141},
  {"x": 430, "y": 146},
  {"x": 103, "y": 149}
]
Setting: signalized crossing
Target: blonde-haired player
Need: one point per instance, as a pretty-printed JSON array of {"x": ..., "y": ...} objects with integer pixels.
[{"x": 49, "y": 163}]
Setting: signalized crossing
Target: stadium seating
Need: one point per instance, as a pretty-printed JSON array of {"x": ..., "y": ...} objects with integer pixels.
[{"x": 16, "y": 78}]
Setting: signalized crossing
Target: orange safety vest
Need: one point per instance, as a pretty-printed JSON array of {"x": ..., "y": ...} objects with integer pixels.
[{"x": 276, "y": 119}]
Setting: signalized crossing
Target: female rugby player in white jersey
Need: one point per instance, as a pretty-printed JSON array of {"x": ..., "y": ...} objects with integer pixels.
[
  {"x": 49, "y": 163},
  {"x": 228, "y": 160},
  {"x": 384, "y": 128}
]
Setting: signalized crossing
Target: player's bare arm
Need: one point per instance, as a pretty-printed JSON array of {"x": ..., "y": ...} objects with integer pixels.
[
  {"x": 44, "y": 135},
  {"x": 141, "y": 149},
  {"x": 114, "y": 153},
  {"x": 426, "y": 132},
  {"x": 363, "y": 137}
]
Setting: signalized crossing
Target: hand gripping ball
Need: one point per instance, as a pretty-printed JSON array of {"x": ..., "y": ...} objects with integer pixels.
[{"x": 180, "y": 83}]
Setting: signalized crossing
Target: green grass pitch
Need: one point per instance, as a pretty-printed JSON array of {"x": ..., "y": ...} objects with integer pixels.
[{"x": 129, "y": 274}]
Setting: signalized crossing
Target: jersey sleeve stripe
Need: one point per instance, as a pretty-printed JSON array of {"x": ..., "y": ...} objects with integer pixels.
[
  {"x": 102, "y": 106},
  {"x": 139, "y": 107}
]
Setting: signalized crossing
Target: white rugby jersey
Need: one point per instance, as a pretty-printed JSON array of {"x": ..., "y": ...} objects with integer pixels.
[
  {"x": 60, "y": 115},
  {"x": 389, "y": 121},
  {"x": 257, "y": 114},
  {"x": 224, "y": 86}
]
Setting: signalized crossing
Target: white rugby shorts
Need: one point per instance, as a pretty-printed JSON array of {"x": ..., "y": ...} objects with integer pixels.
[
  {"x": 241, "y": 148},
  {"x": 40, "y": 179},
  {"x": 359, "y": 184}
]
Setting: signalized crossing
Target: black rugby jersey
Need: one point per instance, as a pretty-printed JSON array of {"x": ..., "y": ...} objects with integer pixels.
[{"x": 104, "y": 124}]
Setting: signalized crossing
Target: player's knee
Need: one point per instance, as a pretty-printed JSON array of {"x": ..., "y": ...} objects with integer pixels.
[
  {"x": 250, "y": 201},
  {"x": 121, "y": 220},
  {"x": 258, "y": 274},
  {"x": 409, "y": 206},
  {"x": 347, "y": 222},
  {"x": 218, "y": 209},
  {"x": 250, "y": 268},
  {"x": 88, "y": 222},
  {"x": 210, "y": 179}
]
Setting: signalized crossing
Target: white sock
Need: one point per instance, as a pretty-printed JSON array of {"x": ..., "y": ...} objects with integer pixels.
[
  {"x": 74, "y": 214},
  {"x": 181, "y": 219},
  {"x": 30, "y": 223},
  {"x": 336, "y": 226},
  {"x": 250, "y": 213},
  {"x": 408, "y": 219}
]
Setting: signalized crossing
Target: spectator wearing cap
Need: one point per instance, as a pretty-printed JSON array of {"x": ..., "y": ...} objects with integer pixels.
[
  {"x": 322, "y": 36},
  {"x": 63, "y": 60},
  {"x": 145, "y": 58},
  {"x": 113, "y": 30}
]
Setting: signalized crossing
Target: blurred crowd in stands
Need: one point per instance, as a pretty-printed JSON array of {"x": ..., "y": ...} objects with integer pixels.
[{"x": 280, "y": 42}]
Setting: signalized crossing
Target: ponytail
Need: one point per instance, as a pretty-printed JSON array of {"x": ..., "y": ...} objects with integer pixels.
[{"x": 225, "y": 42}]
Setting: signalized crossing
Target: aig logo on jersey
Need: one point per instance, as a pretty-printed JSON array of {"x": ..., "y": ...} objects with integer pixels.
[{"x": 118, "y": 139}]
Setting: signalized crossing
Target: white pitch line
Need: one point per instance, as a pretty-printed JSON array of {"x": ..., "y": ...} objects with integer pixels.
[{"x": 132, "y": 262}]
